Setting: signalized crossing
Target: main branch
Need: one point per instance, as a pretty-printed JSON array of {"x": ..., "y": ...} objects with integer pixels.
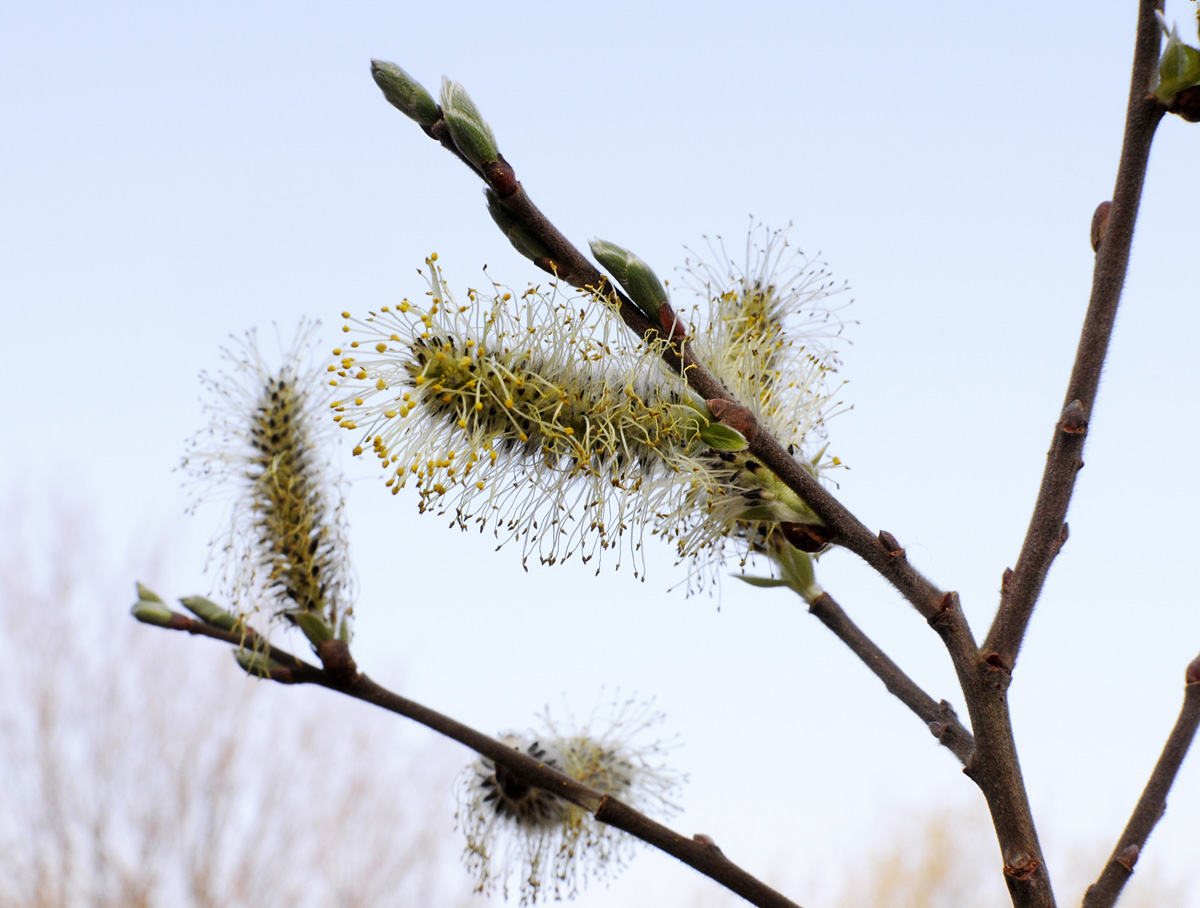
[{"x": 1047, "y": 527}]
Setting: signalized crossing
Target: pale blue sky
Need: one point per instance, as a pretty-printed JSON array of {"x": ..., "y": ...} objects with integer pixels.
[{"x": 175, "y": 174}]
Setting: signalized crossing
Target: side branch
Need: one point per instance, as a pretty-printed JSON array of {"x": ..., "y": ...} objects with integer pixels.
[
  {"x": 1153, "y": 802},
  {"x": 940, "y": 717},
  {"x": 1042, "y": 541},
  {"x": 341, "y": 675}
]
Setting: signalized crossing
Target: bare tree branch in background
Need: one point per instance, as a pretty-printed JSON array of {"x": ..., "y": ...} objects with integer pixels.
[{"x": 137, "y": 775}]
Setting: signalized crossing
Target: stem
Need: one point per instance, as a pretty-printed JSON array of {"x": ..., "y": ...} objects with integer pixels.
[
  {"x": 1042, "y": 540},
  {"x": 1153, "y": 802},
  {"x": 342, "y": 676},
  {"x": 938, "y": 716}
]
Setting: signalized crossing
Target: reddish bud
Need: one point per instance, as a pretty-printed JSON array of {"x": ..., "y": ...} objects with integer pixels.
[
  {"x": 1100, "y": 224},
  {"x": 1006, "y": 580},
  {"x": 735, "y": 416},
  {"x": 1073, "y": 421},
  {"x": 1063, "y": 535},
  {"x": 705, "y": 840},
  {"x": 1022, "y": 867},
  {"x": 1129, "y": 856},
  {"x": 1192, "y": 675},
  {"x": 889, "y": 542}
]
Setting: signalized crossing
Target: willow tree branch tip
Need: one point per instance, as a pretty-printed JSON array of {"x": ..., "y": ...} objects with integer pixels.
[
  {"x": 1153, "y": 801},
  {"x": 1112, "y": 236}
]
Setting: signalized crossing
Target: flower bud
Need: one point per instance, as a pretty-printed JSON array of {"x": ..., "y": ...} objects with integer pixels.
[
  {"x": 471, "y": 133},
  {"x": 633, "y": 274},
  {"x": 405, "y": 93}
]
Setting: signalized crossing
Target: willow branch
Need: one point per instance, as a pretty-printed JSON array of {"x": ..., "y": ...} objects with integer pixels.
[
  {"x": 940, "y": 717},
  {"x": 1153, "y": 802},
  {"x": 1047, "y": 527},
  {"x": 565, "y": 262},
  {"x": 340, "y": 674}
]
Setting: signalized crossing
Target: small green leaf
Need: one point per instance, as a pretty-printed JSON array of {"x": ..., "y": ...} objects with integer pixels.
[
  {"x": 1178, "y": 67},
  {"x": 254, "y": 663},
  {"x": 796, "y": 569},
  {"x": 722, "y": 438},
  {"x": 209, "y": 612},
  {"x": 314, "y": 627},
  {"x": 151, "y": 612},
  {"x": 146, "y": 594},
  {"x": 764, "y": 582}
]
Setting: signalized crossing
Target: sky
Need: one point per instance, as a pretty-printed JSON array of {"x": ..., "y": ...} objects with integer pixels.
[{"x": 177, "y": 174}]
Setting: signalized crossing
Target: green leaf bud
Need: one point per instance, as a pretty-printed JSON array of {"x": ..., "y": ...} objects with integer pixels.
[
  {"x": 209, "y": 612},
  {"x": 471, "y": 133},
  {"x": 1178, "y": 67},
  {"x": 721, "y": 437},
  {"x": 765, "y": 583},
  {"x": 146, "y": 594},
  {"x": 634, "y": 275},
  {"x": 255, "y": 663},
  {"x": 314, "y": 627},
  {"x": 796, "y": 568},
  {"x": 150, "y": 611},
  {"x": 405, "y": 93},
  {"x": 522, "y": 240}
]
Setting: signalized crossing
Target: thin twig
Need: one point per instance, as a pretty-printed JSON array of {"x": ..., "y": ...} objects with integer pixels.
[
  {"x": 939, "y": 717},
  {"x": 1153, "y": 802},
  {"x": 341, "y": 675},
  {"x": 1046, "y": 528}
]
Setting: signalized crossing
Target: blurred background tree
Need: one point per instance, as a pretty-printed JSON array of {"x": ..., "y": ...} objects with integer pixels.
[{"x": 140, "y": 771}]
